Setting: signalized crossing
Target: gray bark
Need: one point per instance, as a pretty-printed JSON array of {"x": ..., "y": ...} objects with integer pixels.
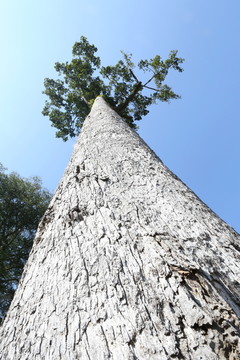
[{"x": 127, "y": 263}]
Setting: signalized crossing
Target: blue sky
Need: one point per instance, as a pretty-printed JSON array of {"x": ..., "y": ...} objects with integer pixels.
[{"x": 197, "y": 137}]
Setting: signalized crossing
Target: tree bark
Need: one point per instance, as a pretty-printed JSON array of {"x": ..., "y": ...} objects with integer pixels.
[{"x": 127, "y": 263}]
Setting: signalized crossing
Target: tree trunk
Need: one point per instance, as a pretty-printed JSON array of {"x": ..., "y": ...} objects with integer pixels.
[{"x": 127, "y": 263}]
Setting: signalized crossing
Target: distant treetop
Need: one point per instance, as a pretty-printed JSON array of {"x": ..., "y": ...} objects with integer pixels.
[{"x": 83, "y": 79}]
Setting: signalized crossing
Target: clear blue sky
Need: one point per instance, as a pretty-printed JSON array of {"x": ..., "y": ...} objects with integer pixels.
[{"x": 197, "y": 137}]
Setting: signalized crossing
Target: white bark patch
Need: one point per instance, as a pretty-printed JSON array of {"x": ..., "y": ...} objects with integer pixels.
[{"x": 127, "y": 263}]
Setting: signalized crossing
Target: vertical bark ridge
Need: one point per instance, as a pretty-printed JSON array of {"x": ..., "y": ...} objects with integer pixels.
[{"x": 127, "y": 263}]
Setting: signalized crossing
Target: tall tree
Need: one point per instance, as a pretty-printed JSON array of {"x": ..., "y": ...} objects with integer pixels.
[
  {"x": 127, "y": 262},
  {"x": 83, "y": 79},
  {"x": 22, "y": 204}
]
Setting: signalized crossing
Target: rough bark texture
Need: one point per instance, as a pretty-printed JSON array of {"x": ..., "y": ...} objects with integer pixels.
[{"x": 127, "y": 263}]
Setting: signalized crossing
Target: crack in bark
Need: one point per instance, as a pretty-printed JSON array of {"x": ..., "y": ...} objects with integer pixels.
[{"x": 131, "y": 264}]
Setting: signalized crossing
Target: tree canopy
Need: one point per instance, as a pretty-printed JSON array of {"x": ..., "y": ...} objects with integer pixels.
[
  {"x": 83, "y": 79},
  {"x": 22, "y": 204}
]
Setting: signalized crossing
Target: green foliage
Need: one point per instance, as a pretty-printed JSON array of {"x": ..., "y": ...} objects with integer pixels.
[
  {"x": 83, "y": 79},
  {"x": 22, "y": 204}
]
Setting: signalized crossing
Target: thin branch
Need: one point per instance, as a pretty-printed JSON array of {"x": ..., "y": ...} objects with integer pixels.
[
  {"x": 111, "y": 80},
  {"x": 13, "y": 235},
  {"x": 85, "y": 100},
  {"x": 83, "y": 97},
  {"x": 149, "y": 80},
  {"x": 133, "y": 75},
  {"x": 148, "y": 87},
  {"x": 138, "y": 86},
  {"x": 10, "y": 280}
]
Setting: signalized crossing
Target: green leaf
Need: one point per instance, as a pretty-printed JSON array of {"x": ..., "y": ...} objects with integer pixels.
[
  {"x": 22, "y": 204},
  {"x": 83, "y": 79}
]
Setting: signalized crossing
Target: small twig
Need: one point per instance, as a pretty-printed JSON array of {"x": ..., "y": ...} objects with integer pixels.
[
  {"x": 149, "y": 80},
  {"x": 85, "y": 100},
  {"x": 123, "y": 105},
  {"x": 148, "y": 87},
  {"x": 133, "y": 75}
]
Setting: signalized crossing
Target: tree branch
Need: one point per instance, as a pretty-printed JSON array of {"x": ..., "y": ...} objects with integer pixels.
[
  {"x": 85, "y": 100},
  {"x": 132, "y": 73},
  {"x": 10, "y": 280},
  {"x": 149, "y": 80},
  {"x": 124, "y": 104},
  {"x": 148, "y": 87}
]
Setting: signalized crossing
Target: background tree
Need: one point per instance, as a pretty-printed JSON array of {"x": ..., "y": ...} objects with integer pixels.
[
  {"x": 22, "y": 204},
  {"x": 83, "y": 79}
]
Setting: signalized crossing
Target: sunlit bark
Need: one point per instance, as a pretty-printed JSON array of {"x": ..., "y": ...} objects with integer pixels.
[{"x": 127, "y": 263}]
